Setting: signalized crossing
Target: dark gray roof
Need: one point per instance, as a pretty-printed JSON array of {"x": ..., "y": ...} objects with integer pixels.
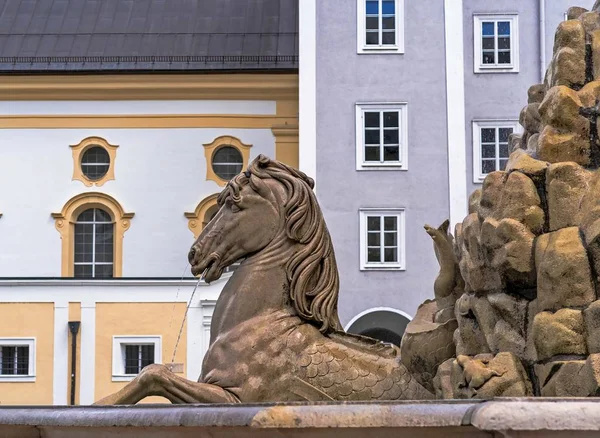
[{"x": 148, "y": 35}]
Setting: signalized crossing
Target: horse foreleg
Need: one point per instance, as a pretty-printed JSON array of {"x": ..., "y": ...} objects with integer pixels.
[{"x": 159, "y": 380}]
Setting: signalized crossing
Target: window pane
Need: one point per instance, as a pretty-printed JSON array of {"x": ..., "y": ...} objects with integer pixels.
[
  {"x": 132, "y": 359},
  {"x": 488, "y": 135},
  {"x": 388, "y": 7},
  {"x": 503, "y": 28},
  {"x": 391, "y": 255},
  {"x": 390, "y": 136},
  {"x": 504, "y": 43},
  {"x": 374, "y": 255},
  {"x": 83, "y": 271},
  {"x": 147, "y": 355},
  {"x": 371, "y": 119},
  {"x": 390, "y": 223},
  {"x": 391, "y": 153},
  {"x": 104, "y": 271},
  {"x": 488, "y": 166},
  {"x": 489, "y": 58},
  {"x": 504, "y": 134},
  {"x": 374, "y": 239},
  {"x": 488, "y": 151},
  {"x": 372, "y": 136},
  {"x": 388, "y": 22},
  {"x": 390, "y": 119},
  {"x": 22, "y": 360},
  {"x": 388, "y": 37},
  {"x": 373, "y": 223},
  {"x": 372, "y": 153},
  {"x": 86, "y": 216},
  {"x": 372, "y": 7},
  {"x": 487, "y": 28},
  {"x": 503, "y": 57},
  {"x": 373, "y": 23},
  {"x": 372, "y": 38},
  {"x": 102, "y": 216},
  {"x": 487, "y": 43},
  {"x": 391, "y": 239},
  {"x": 503, "y": 164},
  {"x": 8, "y": 360},
  {"x": 504, "y": 150}
]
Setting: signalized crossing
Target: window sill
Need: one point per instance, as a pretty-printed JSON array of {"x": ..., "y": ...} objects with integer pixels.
[
  {"x": 123, "y": 377},
  {"x": 495, "y": 69},
  {"x": 396, "y": 167},
  {"x": 16, "y": 378},
  {"x": 382, "y": 268},
  {"x": 392, "y": 50}
]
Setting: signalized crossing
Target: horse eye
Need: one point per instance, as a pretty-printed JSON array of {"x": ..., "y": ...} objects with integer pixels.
[{"x": 235, "y": 208}]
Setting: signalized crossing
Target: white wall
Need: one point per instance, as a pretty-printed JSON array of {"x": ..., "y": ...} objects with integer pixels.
[{"x": 160, "y": 174}]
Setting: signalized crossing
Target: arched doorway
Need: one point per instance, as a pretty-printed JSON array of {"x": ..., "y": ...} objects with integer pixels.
[{"x": 383, "y": 323}]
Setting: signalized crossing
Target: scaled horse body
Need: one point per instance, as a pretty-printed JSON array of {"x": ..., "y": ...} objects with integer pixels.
[{"x": 275, "y": 333}]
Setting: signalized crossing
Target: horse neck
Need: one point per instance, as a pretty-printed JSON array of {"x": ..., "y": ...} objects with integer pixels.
[{"x": 257, "y": 286}]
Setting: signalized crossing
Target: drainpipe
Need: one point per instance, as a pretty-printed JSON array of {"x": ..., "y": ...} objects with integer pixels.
[
  {"x": 542, "y": 40},
  {"x": 74, "y": 329}
]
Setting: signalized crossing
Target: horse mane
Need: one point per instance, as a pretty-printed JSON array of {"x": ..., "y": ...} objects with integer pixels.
[{"x": 311, "y": 271}]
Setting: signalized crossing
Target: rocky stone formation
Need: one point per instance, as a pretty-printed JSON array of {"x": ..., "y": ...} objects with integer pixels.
[{"x": 527, "y": 257}]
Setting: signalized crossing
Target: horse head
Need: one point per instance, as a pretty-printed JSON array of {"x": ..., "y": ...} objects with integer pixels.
[{"x": 271, "y": 207}]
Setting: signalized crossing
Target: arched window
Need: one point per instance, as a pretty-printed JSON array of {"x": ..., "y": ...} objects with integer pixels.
[
  {"x": 94, "y": 244},
  {"x": 91, "y": 227},
  {"x": 381, "y": 323}
]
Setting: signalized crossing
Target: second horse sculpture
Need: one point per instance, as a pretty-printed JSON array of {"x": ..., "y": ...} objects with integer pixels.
[{"x": 275, "y": 333}]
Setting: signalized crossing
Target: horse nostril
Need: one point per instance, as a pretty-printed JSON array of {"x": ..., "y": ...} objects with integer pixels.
[{"x": 192, "y": 254}]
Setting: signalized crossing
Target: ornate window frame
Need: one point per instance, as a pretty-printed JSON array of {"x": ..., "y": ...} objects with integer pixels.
[
  {"x": 196, "y": 217},
  {"x": 65, "y": 224},
  {"x": 79, "y": 149},
  {"x": 214, "y": 146}
]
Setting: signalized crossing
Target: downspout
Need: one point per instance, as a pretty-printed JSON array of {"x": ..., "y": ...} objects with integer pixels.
[
  {"x": 543, "y": 65},
  {"x": 74, "y": 329}
]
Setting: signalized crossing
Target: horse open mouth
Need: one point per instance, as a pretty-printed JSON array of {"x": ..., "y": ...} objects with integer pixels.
[{"x": 208, "y": 268}]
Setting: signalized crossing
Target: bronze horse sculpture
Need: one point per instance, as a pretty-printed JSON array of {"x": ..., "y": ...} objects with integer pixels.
[{"x": 275, "y": 332}]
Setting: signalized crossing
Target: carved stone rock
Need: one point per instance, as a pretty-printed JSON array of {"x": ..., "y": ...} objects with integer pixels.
[
  {"x": 525, "y": 163},
  {"x": 560, "y": 333},
  {"x": 487, "y": 376},
  {"x": 422, "y": 333},
  {"x": 563, "y": 379},
  {"x": 564, "y": 277},
  {"x": 567, "y": 184},
  {"x": 591, "y": 317},
  {"x": 568, "y": 63}
]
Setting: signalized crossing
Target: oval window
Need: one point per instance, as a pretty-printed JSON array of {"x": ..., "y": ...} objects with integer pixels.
[
  {"x": 95, "y": 163},
  {"x": 227, "y": 162}
]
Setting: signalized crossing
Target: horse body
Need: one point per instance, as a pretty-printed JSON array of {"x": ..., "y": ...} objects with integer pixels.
[{"x": 275, "y": 332}]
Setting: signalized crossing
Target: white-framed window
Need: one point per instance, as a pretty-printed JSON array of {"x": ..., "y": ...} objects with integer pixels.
[
  {"x": 132, "y": 353},
  {"x": 380, "y": 26},
  {"x": 17, "y": 359},
  {"x": 381, "y": 136},
  {"x": 496, "y": 43},
  {"x": 491, "y": 147},
  {"x": 382, "y": 239}
]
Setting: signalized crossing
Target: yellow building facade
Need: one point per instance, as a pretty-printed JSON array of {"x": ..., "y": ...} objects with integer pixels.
[{"x": 154, "y": 139}]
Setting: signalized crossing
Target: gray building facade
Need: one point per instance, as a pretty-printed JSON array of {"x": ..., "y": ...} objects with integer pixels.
[{"x": 451, "y": 76}]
